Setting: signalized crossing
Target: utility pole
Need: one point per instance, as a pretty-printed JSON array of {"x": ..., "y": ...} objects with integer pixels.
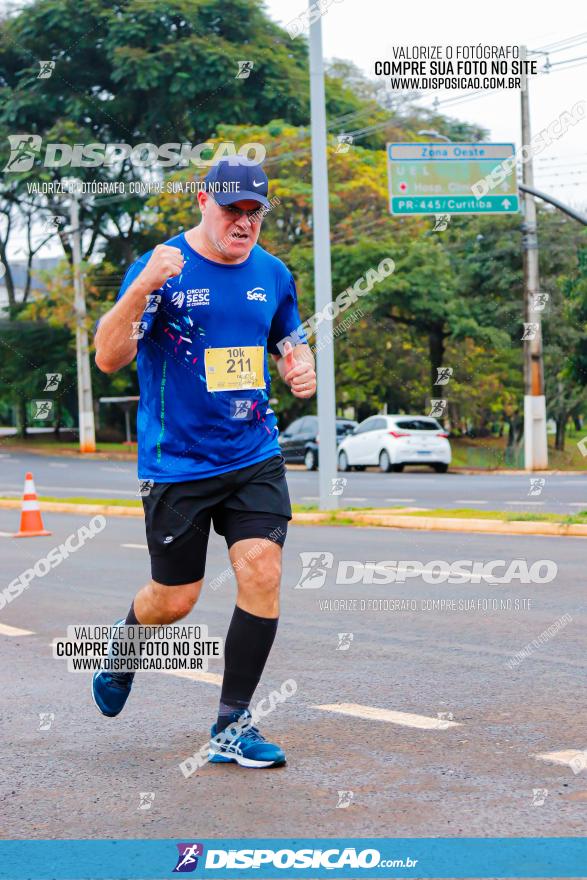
[
  {"x": 87, "y": 436},
  {"x": 322, "y": 271},
  {"x": 535, "y": 439}
]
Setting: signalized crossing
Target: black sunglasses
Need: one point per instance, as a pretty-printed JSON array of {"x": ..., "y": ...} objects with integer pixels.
[{"x": 253, "y": 215}]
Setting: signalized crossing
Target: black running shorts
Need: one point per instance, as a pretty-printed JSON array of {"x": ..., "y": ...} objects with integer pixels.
[{"x": 251, "y": 502}]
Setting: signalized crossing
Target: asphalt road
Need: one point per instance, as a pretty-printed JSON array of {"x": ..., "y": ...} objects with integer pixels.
[
  {"x": 565, "y": 494},
  {"x": 82, "y": 777}
]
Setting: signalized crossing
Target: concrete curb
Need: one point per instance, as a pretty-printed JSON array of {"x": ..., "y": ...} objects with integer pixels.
[{"x": 379, "y": 518}]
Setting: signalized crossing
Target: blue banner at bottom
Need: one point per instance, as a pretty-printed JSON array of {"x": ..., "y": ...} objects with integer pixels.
[{"x": 415, "y": 858}]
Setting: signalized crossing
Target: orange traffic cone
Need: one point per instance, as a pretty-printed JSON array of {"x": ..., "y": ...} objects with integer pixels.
[{"x": 31, "y": 521}]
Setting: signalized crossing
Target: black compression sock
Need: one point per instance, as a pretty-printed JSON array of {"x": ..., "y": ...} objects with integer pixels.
[
  {"x": 247, "y": 646},
  {"x": 131, "y": 618}
]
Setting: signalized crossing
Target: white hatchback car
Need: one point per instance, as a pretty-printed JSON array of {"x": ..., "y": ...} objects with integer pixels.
[{"x": 395, "y": 441}]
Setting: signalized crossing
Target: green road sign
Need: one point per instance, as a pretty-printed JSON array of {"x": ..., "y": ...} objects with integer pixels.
[{"x": 427, "y": 178}]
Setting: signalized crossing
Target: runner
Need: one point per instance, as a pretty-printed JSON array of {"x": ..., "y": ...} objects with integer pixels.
[{"x": 200, "y": 313}]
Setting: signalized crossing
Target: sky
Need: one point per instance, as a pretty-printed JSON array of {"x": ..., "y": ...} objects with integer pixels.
[{"x": 363, "y": 31}]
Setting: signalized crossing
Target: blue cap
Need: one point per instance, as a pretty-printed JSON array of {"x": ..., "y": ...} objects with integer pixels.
[{"x": 237, "y": 178}]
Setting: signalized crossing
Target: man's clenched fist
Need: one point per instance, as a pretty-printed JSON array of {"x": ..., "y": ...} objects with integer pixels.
[{"x": 165, "y": 262}]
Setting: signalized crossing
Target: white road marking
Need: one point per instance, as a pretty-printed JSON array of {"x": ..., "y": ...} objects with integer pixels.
[
  {"x": 207, "y": 677},
  {"x": 469, "y": 501},
  {"x": 136, "y": 546},
  {"x": 6, "y": 630},
  {"x": 57, "y": 464},
  {"x": 399, "y": 499},
  {"x": 353, "y": 498},
  {"x": 405, "y": 719},
  {"x": 117, "y": 470},
  {"x": 309, "y": 498},
  {"x": 566, "y": 757},
  {"x": 578, "y": 504},
  {"x": 6, "y": 534},
  {"x": 539, "y": 503}
]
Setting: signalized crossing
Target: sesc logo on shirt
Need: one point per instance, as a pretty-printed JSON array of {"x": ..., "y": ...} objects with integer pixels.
[
  {"x": 199, "y": 296},
  {"x": 258, "y": 294}
]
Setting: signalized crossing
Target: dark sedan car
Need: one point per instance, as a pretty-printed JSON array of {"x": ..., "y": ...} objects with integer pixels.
[{"x": 299, "y": 442}]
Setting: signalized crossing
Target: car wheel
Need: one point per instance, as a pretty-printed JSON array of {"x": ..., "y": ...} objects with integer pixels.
[
  {"x": 440, "y": 468},
  {"x": 384, "y": 462},
  {"x": 343, "y": 462},
  {"x": 310, "y": 460},
  {"x": 397, "y": 468}
]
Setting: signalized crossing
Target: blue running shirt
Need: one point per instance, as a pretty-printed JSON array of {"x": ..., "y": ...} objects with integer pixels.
[{"x": 185, "y": 431}]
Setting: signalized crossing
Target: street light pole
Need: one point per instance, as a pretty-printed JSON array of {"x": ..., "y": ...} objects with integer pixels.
[
  {"x": 87, "y": 436},
  {"x": 322, "y": 271},
  {"x": 535, "y": 438}
]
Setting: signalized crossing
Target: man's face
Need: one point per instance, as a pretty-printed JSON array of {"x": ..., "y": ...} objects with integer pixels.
[{"x": 229, "y": 228}]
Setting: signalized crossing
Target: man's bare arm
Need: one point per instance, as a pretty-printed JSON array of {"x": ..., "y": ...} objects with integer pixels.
[{"x": 114, "y": 346}]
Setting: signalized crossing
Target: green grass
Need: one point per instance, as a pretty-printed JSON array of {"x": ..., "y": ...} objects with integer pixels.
[
  {"x": 337, "y": 517},
  {"x": 506, "y": 515},
  {"x": 40, "y": 443},
  {"x": 489, "y": 453},
  {"x": 110, "y": 502}
]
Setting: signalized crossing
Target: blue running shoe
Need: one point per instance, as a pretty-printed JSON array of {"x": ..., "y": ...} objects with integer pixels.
[
  {"x": 242, "y": 743},
  {"x": 110, "y": 690}
]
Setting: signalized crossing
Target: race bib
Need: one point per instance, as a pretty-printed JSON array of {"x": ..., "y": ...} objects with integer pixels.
[{"x": 234, "y": 369}]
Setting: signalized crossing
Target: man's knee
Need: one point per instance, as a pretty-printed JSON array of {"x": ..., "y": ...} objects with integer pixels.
[
  {"x": 261, "y": 573},
  {"x": 175, "y": 602}
]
